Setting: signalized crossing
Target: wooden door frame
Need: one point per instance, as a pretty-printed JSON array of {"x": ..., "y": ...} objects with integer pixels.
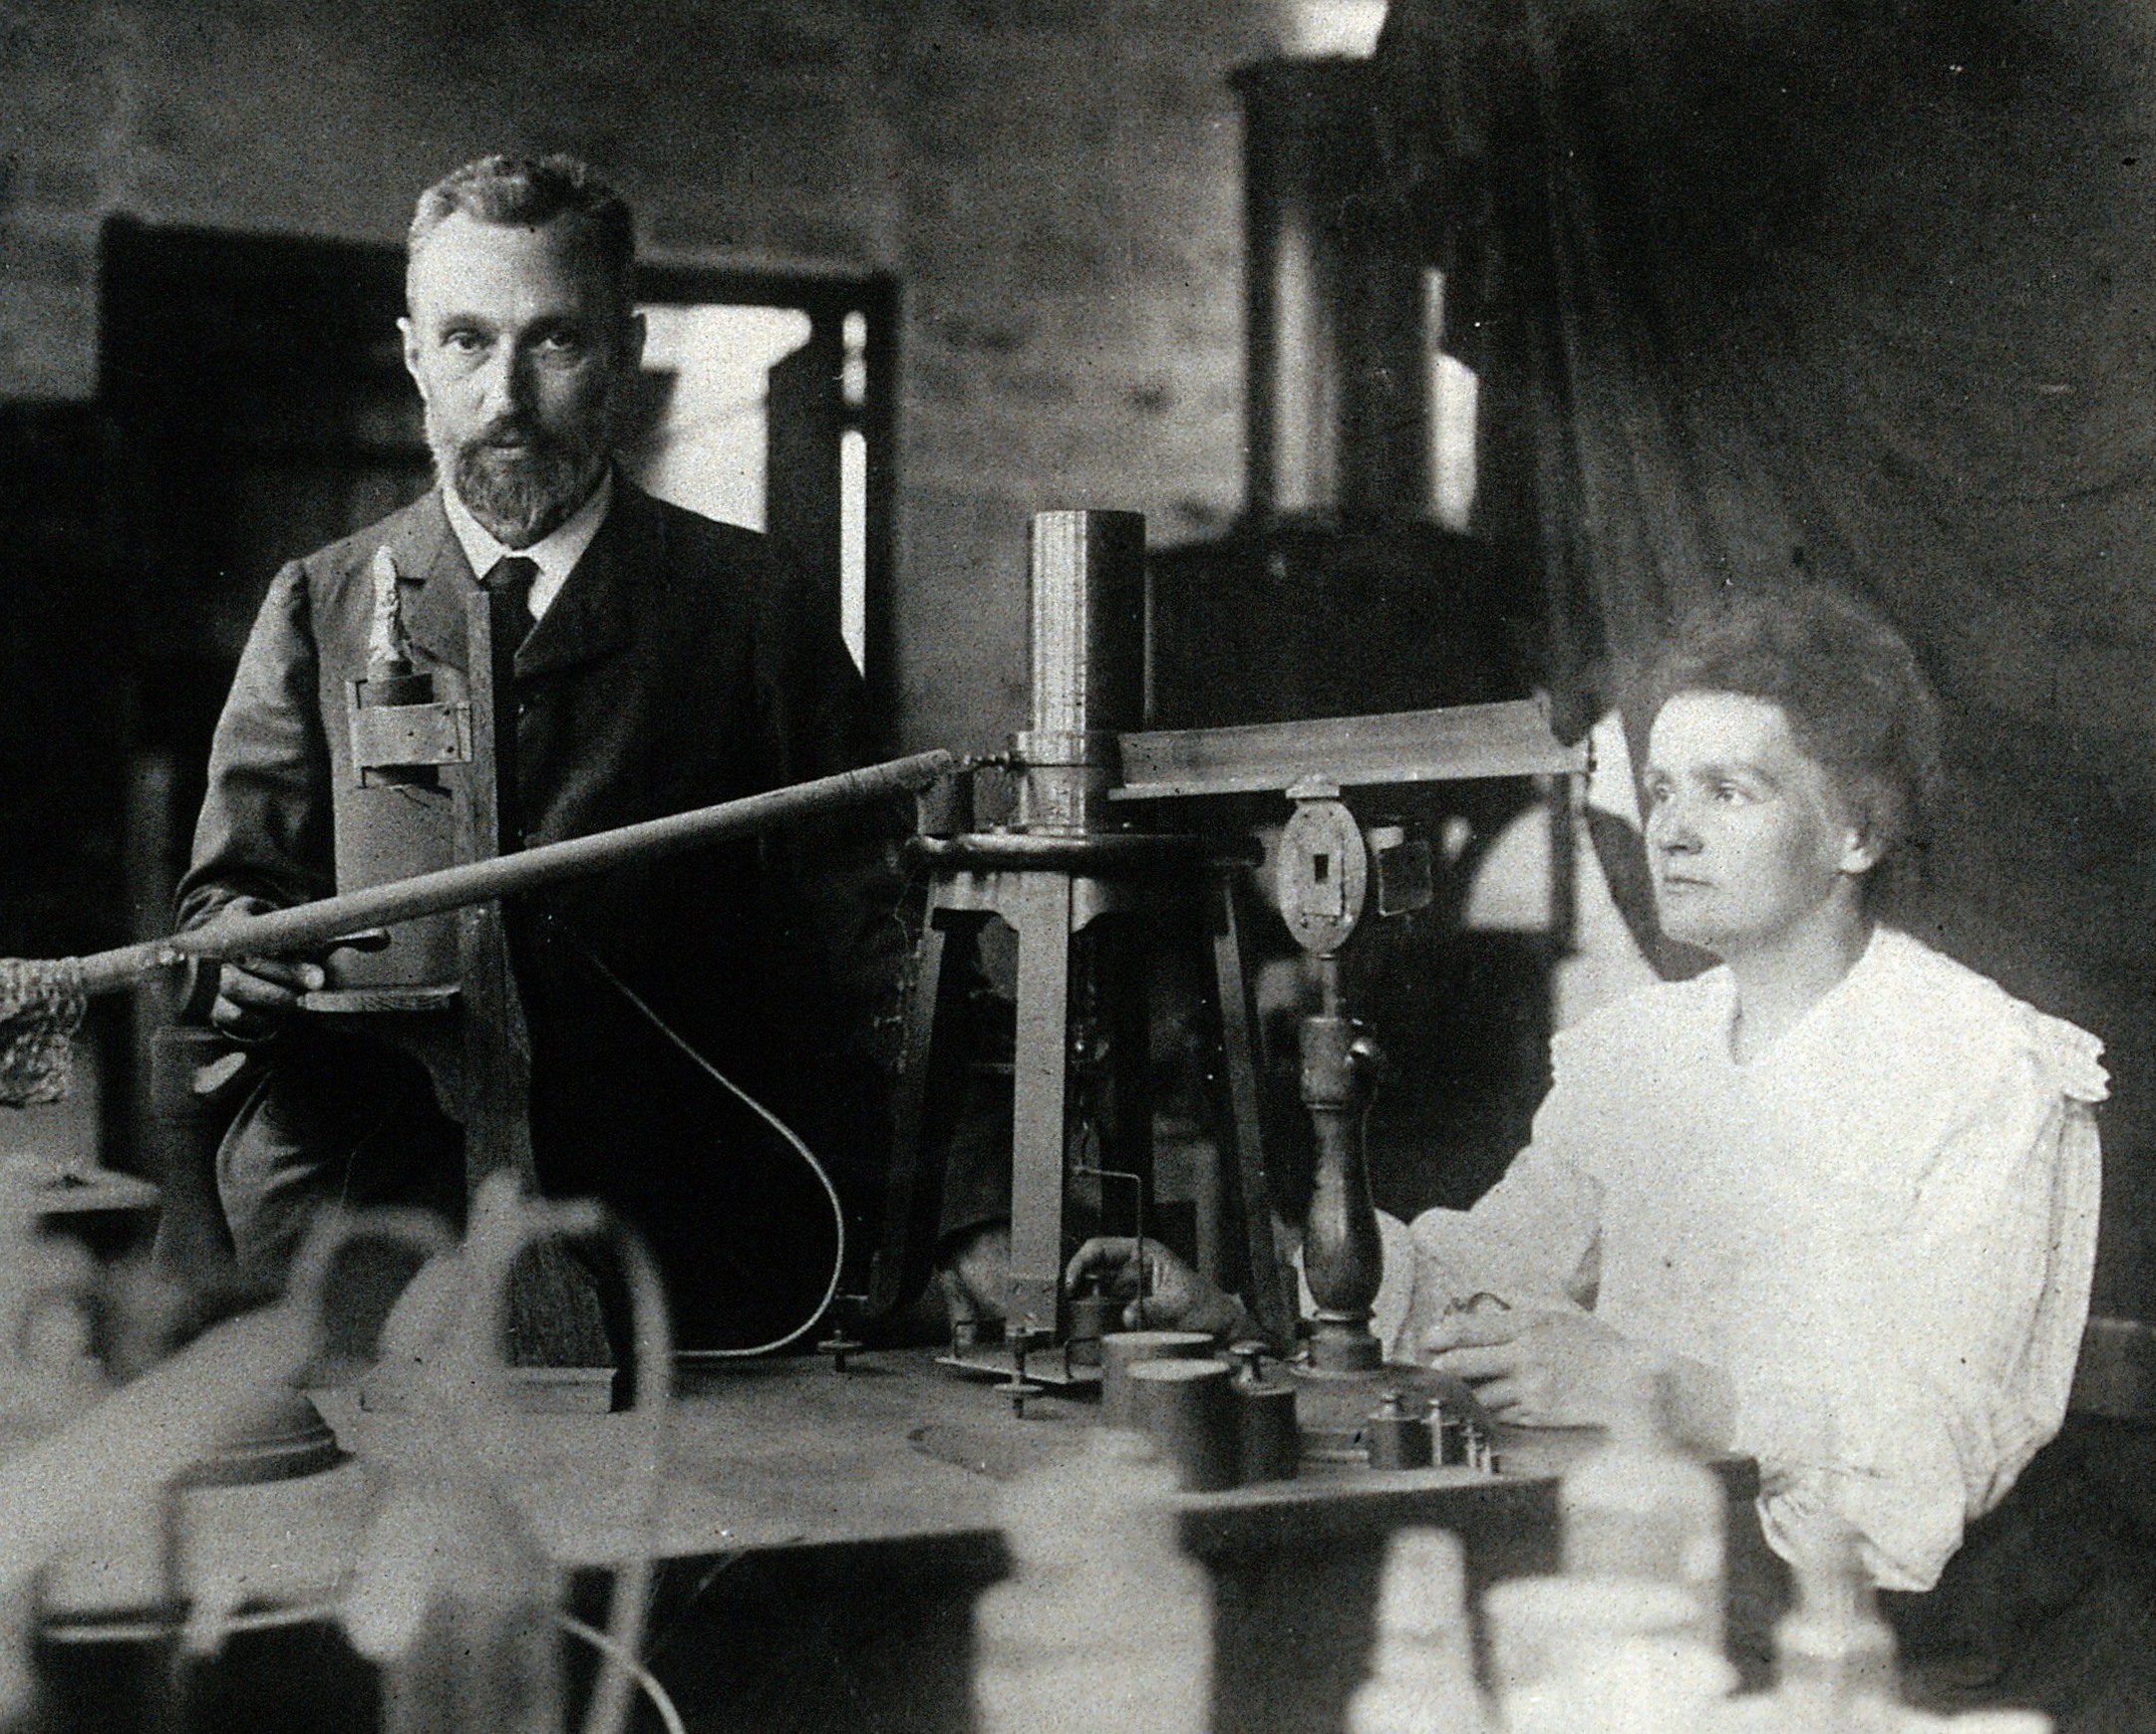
[{"x": 143, "y": 263}]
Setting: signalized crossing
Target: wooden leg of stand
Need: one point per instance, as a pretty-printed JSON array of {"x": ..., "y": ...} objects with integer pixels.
[
  {"x": 898, "y": 1263},
  {"x": 1119, "y": 954},
  {"x": 1040, "y": 1099},
  {"x": 1270, "y": 1293}
]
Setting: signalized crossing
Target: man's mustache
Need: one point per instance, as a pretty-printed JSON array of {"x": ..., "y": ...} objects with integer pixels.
[{"x": 503, "y": 436}]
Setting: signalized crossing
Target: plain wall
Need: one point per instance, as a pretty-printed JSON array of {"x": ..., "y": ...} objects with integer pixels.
[{"x": 1054, "y": 184}]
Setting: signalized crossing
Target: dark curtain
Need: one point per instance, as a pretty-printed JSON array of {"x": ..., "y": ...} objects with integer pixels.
[{"x": 1864, "y": 290}]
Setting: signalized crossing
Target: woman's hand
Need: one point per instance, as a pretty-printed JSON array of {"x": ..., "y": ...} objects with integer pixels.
[{"x": 1541, "y": 1368}]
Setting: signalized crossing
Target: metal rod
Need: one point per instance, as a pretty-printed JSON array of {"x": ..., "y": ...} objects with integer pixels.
[
  {"x": 307, "y": 925},
  {"x": 1137, "y": 1188}
]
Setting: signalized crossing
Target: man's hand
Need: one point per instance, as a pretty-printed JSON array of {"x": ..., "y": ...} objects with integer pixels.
[
  {"x": 1540, "y": 1368},
  {"x": 1172, "y": 1297},
  {"x": 976, "y": 1273},
  {"x": 258, "y": 996}
]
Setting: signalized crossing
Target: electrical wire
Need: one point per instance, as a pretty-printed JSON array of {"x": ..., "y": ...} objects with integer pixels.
[
  {"x": 785, "y": 1131},
  {"x": 631, "y": 1603},
  {"x": 326, "y": 1613},
  {"x": 627, "y": 1663},
  {"x": 148, "y": 1632}
]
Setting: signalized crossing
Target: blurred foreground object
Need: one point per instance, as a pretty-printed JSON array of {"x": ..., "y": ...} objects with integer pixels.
[
  {"x": 1640, "y": 1509},
  {"x": 1421, "y": 1669},
  {"x": 453, "y": 1595},
  {"x": 1103, "y": 1623}
]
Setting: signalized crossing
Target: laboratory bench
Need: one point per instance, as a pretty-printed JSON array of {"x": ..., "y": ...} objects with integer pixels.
[{"x": 822, "y": 1537}]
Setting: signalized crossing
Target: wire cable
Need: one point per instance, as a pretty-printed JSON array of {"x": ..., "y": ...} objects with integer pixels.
[
  {"x": 150, "y": 1631},
  {"x": 627, "y": 1663},
  {"x": 326, "y": 1613},
  {"x": 785, "y": 1131}
]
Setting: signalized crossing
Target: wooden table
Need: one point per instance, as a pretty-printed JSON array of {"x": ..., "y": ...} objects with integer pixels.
[{"x": 824, "y": 1536}]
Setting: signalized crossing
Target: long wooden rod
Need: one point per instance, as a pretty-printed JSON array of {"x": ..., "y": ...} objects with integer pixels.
[{"x": 310, "y": 926}]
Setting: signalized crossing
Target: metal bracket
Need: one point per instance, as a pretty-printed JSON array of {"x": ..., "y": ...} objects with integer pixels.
[
  {"x": 408, "y": 734},
  {"x": 1323, "y": 875},
  {"x": 1399, "y": 868}
]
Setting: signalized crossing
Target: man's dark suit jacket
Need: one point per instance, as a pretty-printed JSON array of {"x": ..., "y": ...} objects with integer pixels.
[{"x": 676, "y": 667}]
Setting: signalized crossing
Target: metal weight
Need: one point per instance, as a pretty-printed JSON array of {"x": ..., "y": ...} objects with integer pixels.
[
  {"x": 1090, "y": 1316},
  {"x": 1269, "y": 1444},
  {"x": 1120, "y": 1351},
  {"x": 1397, "y": 1439},
  {"x": 1188, "y": 1410}
]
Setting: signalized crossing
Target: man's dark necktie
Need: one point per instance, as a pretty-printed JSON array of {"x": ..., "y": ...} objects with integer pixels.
[{"x": 513, "y": 576}]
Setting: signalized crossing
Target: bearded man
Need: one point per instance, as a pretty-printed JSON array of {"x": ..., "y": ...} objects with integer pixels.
[{"x": 670, "y": 664}]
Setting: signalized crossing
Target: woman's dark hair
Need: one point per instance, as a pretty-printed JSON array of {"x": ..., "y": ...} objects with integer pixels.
[{"x": 1856, "y": 698}]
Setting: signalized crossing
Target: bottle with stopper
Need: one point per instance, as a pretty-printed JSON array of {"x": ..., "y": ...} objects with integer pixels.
[
  {"x": 1640, "y": 1509},
  {"x": 1421, "y": 1670},
  {"x": 1103, "y": 1623}
]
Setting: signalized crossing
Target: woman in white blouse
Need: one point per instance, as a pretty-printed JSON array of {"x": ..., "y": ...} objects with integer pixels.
[{"x": 1843, "y": 1188}]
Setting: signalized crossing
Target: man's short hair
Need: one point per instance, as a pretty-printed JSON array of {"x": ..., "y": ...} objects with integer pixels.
[
  {"x": 527, "y": 192},
  {"x": 1855, "y": 696}
]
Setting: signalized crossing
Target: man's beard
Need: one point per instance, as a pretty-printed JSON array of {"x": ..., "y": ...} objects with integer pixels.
[{"x": 521, "y": 495}]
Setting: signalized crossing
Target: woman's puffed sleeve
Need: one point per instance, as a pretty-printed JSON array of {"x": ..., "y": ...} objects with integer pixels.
[
  {"x": 1533, "y": 1239},
  {"x": 1908, "y": 1369}
]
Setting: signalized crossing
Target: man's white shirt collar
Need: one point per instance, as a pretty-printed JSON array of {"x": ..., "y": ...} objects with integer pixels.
[{"x": 555, "y": 554}]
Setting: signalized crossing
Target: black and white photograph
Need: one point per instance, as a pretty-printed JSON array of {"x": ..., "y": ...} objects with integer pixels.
[{"x": 1014, "y": 866}]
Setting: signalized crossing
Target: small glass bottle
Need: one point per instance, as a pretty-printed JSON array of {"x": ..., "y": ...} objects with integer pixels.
[
  {"x": 1834, "y": 1654},
  {"x": 1639, "y": 1507},
  {"x": 1422, "y": 1672},
  {"x": 1103, "y": 1621}
]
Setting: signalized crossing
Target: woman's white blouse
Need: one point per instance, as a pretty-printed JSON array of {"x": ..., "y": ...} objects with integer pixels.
[{"x": 1881, "y": 1229}]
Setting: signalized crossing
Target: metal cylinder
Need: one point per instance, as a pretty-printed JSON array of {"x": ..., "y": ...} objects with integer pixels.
[
  {"x": 1088, "y": 601},
  {"x": 1090, "y": 1316},
  {"x": 391, "y": 822},
  {"x": 1120, "y": 1351},
  {"x": 1086, "y": 608},
  {"x": 1398, "y": 1438},
  {"x": 1188, "y": 1411},
  {"x": 1268, "y": 1444}
]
